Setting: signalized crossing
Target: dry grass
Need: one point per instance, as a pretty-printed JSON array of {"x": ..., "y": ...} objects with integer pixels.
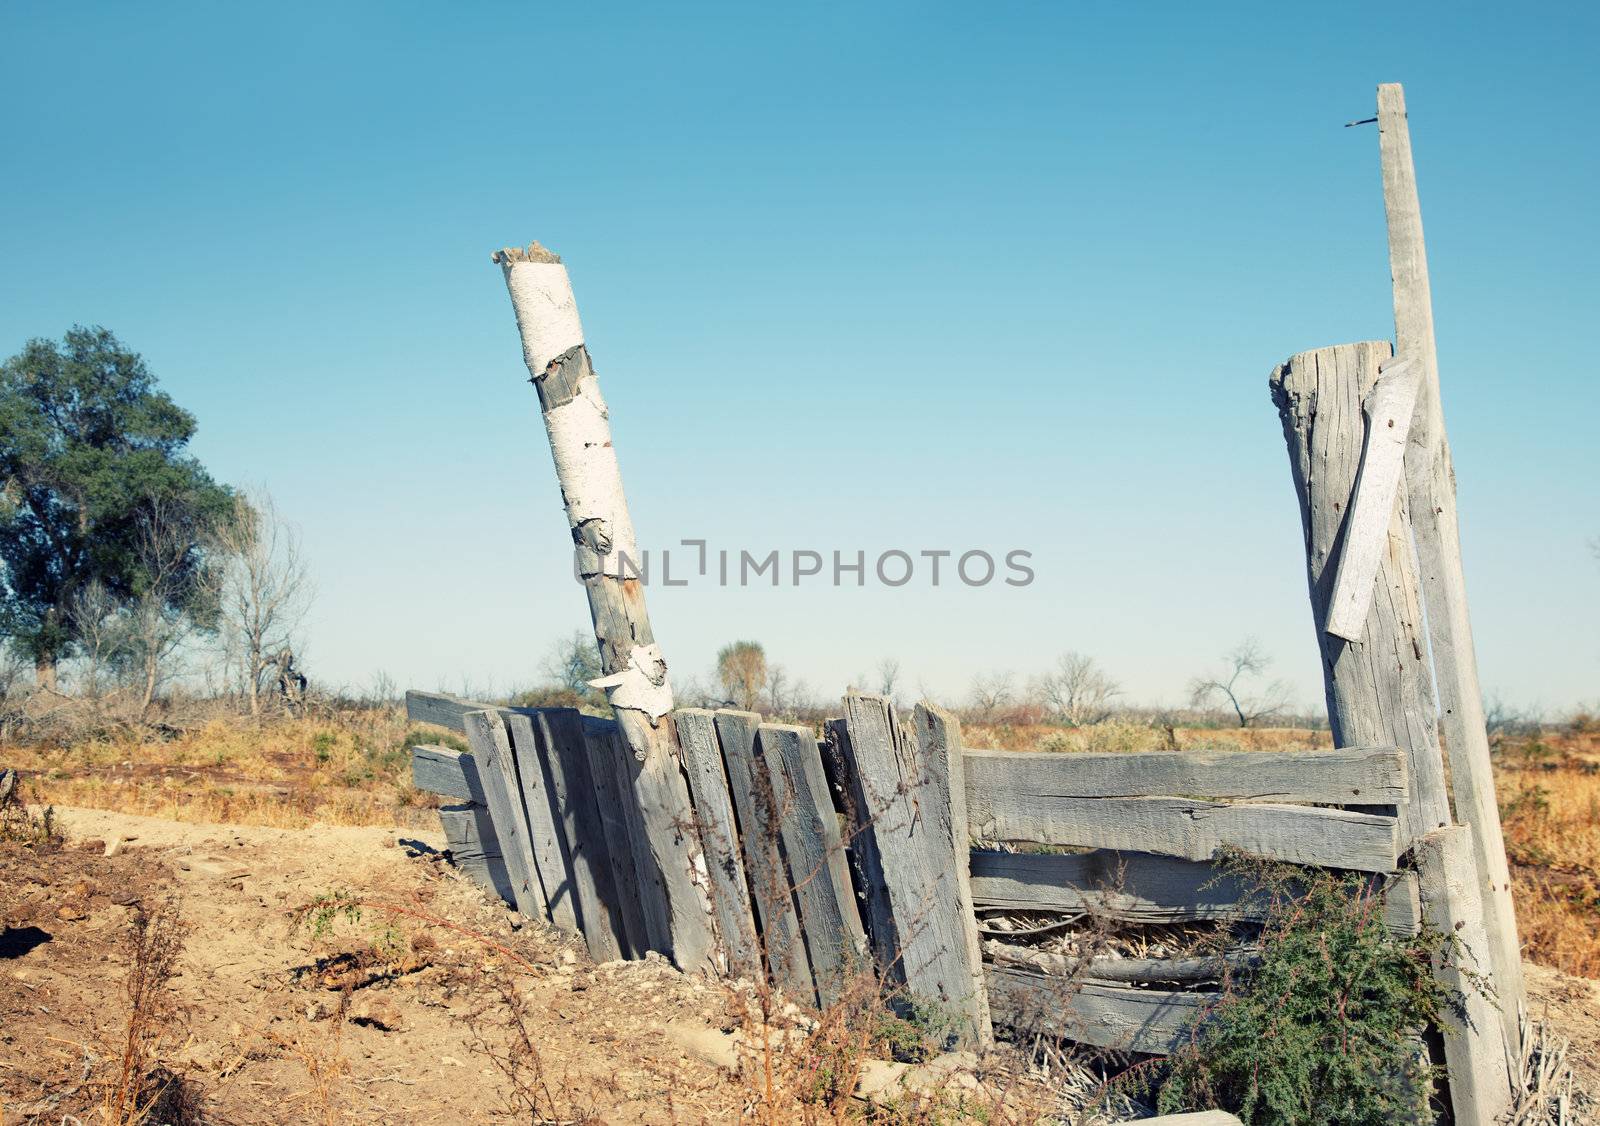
[{"x": 348, "y": 768}]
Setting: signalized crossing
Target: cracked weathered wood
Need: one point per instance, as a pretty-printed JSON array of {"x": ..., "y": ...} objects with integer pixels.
[
  {"x": 1142, "y": 888},
  {"x": 1431, "y": 483},
  {"x": 1388, "y": 410},
  {"x": 491, "y": 751},
  {"x": 1380, "y": 688},
  {"x": 544, "y": 830},
  {"x": 635, "y": 674},
  {"x": 447, "y": 772},
  {"x": 614, "y": 800},
  {"x": 1352, "y": 776},
  {"x": 1135, "y": 1020},
  {"x": 719, "y": 834},
  {"x": 1112, "y": 968},
  {"x": 813, "y": 853},
  {"x": 760, "y": 839}
]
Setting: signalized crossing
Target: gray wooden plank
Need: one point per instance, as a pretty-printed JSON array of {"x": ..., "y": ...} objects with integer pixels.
[
  {"x": 1140, "y": 887},
  {"x": 760, "y": 840},
  {"x": 613, "y": 799},
  {"x": 719, "y": 837},
  {"x": 1117, "y": 970},
  {"x": 560, "y": 740},
  {"x": 441, "y": 710},
  {"x": 447, "y": 772},
  {"x": 491, "y": 748},
  {"x": 652, "y": 901},
  {"x": 545, "y": 834},
  {"x": 1195, "y": 830},
  {"x": 813, "y": 851},
  {"x": 1435, "y": 524},
  {"x": 872, "y": 897},
  {"x": 469, "y": 834},
  {"x": 1136, "y": 1020},
  {"x": 1364, "y": 775}
]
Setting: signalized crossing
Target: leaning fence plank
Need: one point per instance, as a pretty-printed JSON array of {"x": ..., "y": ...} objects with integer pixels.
[
  {"x": 613, "y": 802},
  {"x": 955, "y": 973},
  {"x": 446, "y": 772},
  {"x": 1195, "y": 830},
  {"x": 760, "y": 838},
  {"x": 474, "y": 848},
  {"x": 1142, "y": 888},
  {"x": 1105, "y": 1016},
  {"x": 719, "y": 836},
  {"x": 1431, "y": 484},
  {"x": 566, "y": 762},
  {"x": 544, "y": 828},
  {"x": 1366, "y": 530},
  {"x": 1353, "y": 775},
  {"x": 871, "y": 894},
  {"x": 1480, "y": 1074},
  {"x": 814, "y": 853},
  {"x": 491, "y": 748}
]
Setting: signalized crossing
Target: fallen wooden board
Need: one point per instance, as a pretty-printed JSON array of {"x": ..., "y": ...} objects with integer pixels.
[
  {"x": 1196, "y": 830},
  {"x": 1113, "y": 969},
  {"x": 1135, "y": 1020},
  {"x": 1352, "y": 775},
  {"x": 1138, "y": 887}
]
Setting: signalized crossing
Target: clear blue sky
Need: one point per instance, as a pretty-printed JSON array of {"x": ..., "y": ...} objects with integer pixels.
[{"x": 854, "y": 276}]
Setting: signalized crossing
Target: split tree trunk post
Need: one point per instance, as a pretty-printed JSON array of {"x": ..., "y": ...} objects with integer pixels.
[
  {"x": 1379, "y": 686},
  {"x": 635, "y": 679},
  {"x": 1430, "y": 481}
]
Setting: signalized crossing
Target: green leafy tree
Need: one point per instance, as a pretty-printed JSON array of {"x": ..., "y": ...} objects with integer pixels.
[{"x": 91, "y": 452}]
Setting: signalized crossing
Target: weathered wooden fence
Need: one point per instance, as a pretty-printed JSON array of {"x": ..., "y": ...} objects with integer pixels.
[
  {"x": 854, "y": 854},
  {"x": 870, "y": 854}
]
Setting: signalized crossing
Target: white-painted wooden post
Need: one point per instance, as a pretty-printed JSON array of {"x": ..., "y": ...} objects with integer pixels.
[
  {"x": 635, "y": 680},
  {"x": 1430, "y": 480}
]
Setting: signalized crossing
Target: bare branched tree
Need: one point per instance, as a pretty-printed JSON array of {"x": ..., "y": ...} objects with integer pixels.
[
  {"x": 742, "y": 671},
  {"x": 991, "y": 693},
  {"x": 264, "y": 590},
  {"x": 888, "y": 677},
  {"x": 175, "y": 597},
  {"x": 1245, "y": 666},
  {"x": 1078, "y": 691},
  {"x": 102, "y": 630},
  {"x": 573, "y": 662}
]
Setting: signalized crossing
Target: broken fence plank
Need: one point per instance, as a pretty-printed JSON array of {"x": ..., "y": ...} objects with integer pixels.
[
  {"x": 1196, "y": 830},
  {"x": 719, "y": 836},
  {"x": 1389, "y": 406},
  {"x": 814, "y": 854},
  {"x": 1363, "y": 775},
  {"x": 474, "y": 848},
  {"x": 1141, "y": 888},
  {"x": 759, "y": 838},
  {"x": 1106, "y": 1016},
  {"x": 872, "y": 896},
  {"x": 491, "y": 748}
]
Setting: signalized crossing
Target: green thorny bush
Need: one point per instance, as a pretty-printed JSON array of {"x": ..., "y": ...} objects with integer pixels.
[{"x": 1324, "y": 1027}]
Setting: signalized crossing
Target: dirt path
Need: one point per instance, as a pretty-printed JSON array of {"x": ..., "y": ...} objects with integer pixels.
[{"x": 255, "y": 1041}]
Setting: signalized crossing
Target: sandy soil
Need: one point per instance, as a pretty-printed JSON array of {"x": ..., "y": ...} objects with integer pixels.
[{"x": 389, "y": 1018}]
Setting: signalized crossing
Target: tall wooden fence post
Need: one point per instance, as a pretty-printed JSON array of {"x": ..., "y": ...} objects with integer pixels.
[
  {"x": 1430, "y": 479},
  {"x": 635, "y": 679},
  {"x": 1379, "y": 687}
]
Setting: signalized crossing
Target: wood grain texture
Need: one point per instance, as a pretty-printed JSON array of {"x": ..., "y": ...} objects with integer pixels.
[
  {"x": 558, "y": 737},
  {"x": 760, "y": 838},
  {"x": 813, "y": 854},
  {"x": 1361, "y": 775},
  {"x": 446, "y": 772},
  {"x": 491, "y": 749},
  {"x": 1135, "y": 1020},
  {"x": 1380, "y": 688},
  {"x": 474, "y": 848},
  {"x": 719, "y": 835},
  {"x": 1141, "y": 888},
  {"x": 1481, "y": 1074},
  {"x": 1195, "y": 830},
  {"x": 1388, "y": 408},
  {"x": 545, "y": 836},
  {"x": 866, "y": 866},
  {"x": 441, "y": 710},
  {"x": 1118, "y": 970},
  {"x": 1431, "y": 487},
  {"x": 613, "y": 799}
]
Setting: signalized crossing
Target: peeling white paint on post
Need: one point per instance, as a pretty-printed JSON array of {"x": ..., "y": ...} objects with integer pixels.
[
  {"x": 634, "y": 672},
  {"x": 1431, "y": 482}
]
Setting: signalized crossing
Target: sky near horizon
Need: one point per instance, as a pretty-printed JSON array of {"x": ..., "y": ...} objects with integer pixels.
[{"x": 856, "y": 277}]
